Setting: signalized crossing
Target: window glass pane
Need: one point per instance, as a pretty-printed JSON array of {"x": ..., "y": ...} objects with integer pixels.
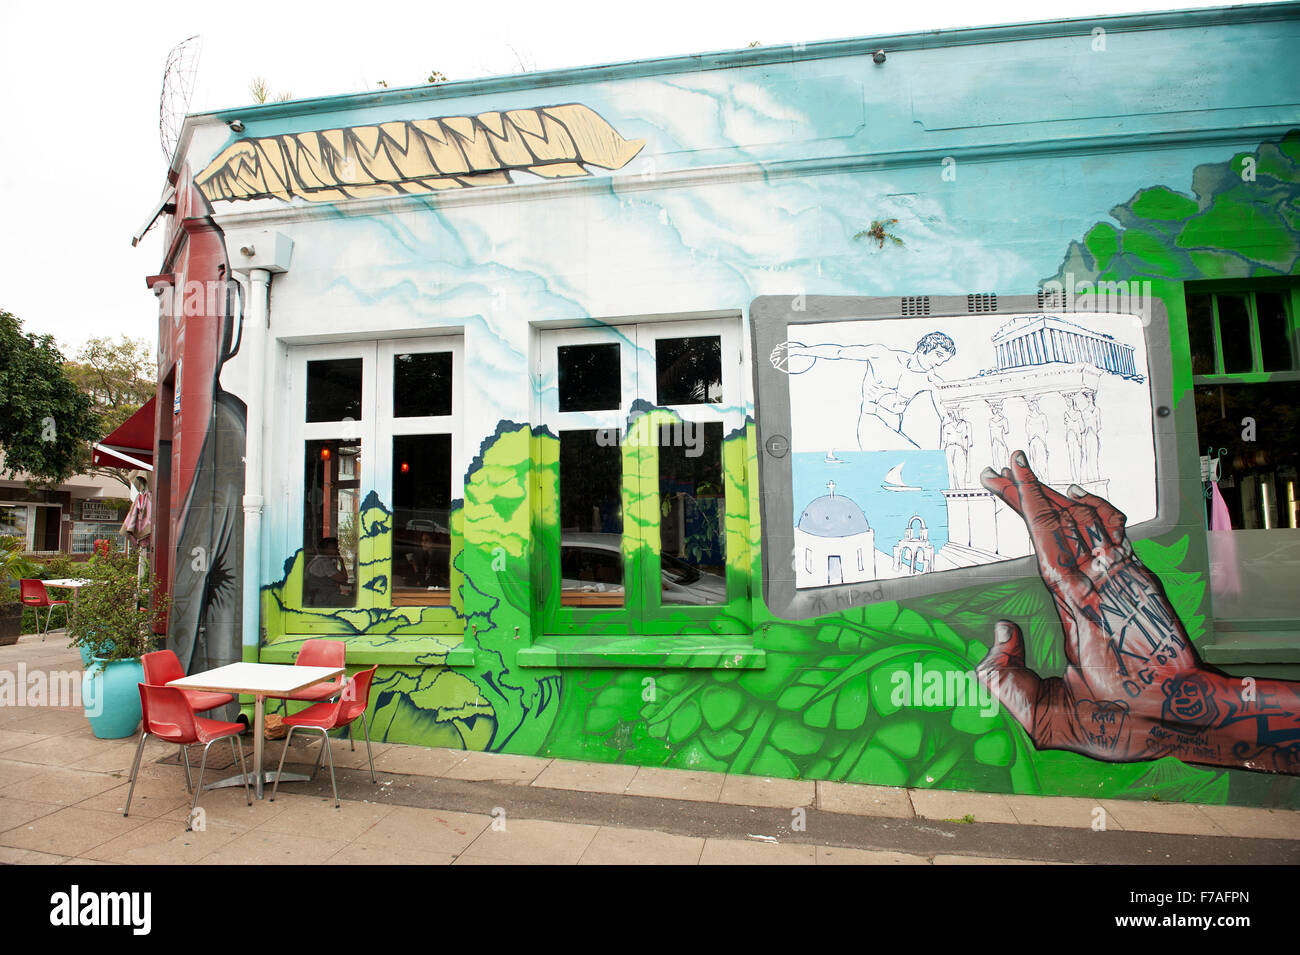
[
  {"x": 1200, "y": 330},
  {"x": 13, "y": 520},
  {"x": 1274, "y": 339},
  {"x": 1252, "y": 510},
  {"x": 334, "y": 390},
  {"x": 422, "y": 385},
  {"x": 1234, "y": 333},
  {"x": 45, "y": 535},
  {"x": 689, "y": 370},
  {"x": 590, "y": 377},
  {"x": 331, "y": 487},
  {"x": 422, "y": 519},
  {"x": 591, "y": 520},
  {"x": 693, "y": 514}
]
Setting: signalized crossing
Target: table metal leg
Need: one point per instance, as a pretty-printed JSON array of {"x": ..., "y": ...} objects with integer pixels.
[
  {"x": 259, "y": 719},
  {"x": 263, "y": 776}
]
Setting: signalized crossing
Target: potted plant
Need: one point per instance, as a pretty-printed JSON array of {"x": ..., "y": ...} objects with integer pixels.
[
  {"x": 14, "y": 566},
  {"x": 114, "y": 621}
]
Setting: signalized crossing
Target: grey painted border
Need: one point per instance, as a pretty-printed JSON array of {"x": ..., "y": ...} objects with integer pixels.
[{"x": 770, "y": 317}]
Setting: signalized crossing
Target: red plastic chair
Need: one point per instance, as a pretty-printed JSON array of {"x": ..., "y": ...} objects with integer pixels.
[
  {"x": 33, "y": 594},
  {"x": 324, "y": 717},
  {"x": 167, "y": 715},
  {"x": 320, "y": 653},
  {"x": 163, "y": 666}
]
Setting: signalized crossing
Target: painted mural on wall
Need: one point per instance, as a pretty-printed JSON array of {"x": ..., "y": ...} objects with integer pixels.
[
  {"x": 933, "y": 693},
  {"x": 885, "y": 484},
  {"x": 418, "y": 156}
]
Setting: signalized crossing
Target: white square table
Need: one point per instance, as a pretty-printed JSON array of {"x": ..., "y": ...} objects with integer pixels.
[
  {"x": 69, "y": 583},
  {"x": 258, "y": 680}
]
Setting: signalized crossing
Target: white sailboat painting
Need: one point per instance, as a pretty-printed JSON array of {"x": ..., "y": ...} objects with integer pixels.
[{"x": 894, "y": 481}]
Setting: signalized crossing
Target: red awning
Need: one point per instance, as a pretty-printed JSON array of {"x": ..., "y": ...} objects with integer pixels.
[{"x": 130, "y": 445}]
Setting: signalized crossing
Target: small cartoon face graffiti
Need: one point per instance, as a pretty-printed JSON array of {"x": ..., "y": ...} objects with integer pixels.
[{"x": 1190, "y": 699}]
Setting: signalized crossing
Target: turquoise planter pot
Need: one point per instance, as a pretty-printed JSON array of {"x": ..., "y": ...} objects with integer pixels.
[{"x": 110, "y": 695}]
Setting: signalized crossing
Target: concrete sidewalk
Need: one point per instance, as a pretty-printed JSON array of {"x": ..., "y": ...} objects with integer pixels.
[{"x": 62, "y": 793}]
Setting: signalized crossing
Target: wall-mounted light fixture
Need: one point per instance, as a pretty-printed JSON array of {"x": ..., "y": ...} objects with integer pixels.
[
  {"x": 878, "y": 57},
  {"x": 237, "y": 127}
]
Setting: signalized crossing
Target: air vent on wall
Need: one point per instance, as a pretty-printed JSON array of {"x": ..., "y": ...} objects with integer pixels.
[
  {"x": 982, "y": 302},
  {"x": 1055, "y": 299},
  {"x": 916, "y": 305}
]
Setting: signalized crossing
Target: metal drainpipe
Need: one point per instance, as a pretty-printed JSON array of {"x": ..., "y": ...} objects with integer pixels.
[{"x": 256, "y": 322}]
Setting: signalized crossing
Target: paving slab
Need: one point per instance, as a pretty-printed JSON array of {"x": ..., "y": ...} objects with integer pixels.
[
  {"x": 162, "y": 842},
  {"x": 676, "y": 784},
  {"x": 1063, "y": 812},
  {"x": 1176, "y": 818},
  {"x": 586, "y": 777},
  {"x": 765, "y": 791},
  {"x": 356, "y": 853},
  {"x": 498, "y": 767},
  {"x": 737, "y": 852},
  {"x": 986, "y": 860},
  {"x": 945, "y": 804},
  {"x": 153, "y": 798},
  {"x": 426, "y": 830},
  {"x": 11, "y": 856},
  {"x": 859, "y": 800},
  {"x": 533, "y": 841},
  {"x": 835, "y": 855},
  {"x": 17, "y": 812},
  {"x": 1255, "y": 823},
  {"x": 613, "y": 845},
  {"x": 312, "y": 816},
  {"x": 12, "y": 739},
  {"x": 68, "y": 832},
  {"x": 62, "y": 787},
  {"x": 418, "y": 760},
  {"x": 260, "y": 847}
]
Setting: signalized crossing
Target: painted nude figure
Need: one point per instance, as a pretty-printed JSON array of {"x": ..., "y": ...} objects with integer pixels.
[{"x": 892, "y": 380}]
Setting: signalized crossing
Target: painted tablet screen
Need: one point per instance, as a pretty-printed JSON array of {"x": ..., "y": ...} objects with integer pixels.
[{"x": 893, "y": 420}]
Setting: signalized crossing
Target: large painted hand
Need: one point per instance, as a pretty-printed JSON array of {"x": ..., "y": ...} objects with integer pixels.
[{"x": 1134, "y": 687}]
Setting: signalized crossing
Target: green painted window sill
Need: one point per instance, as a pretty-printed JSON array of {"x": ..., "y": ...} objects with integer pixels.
[
  {"x": 1253, "y": 641},
  {"x": 686, "y": 651},
  {"x": 363, "y": 649}
]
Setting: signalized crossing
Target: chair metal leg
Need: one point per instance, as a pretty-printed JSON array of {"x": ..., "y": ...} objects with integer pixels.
[
  {"x": 370, "y": 756},
  {"x": 330, "y": 756},
  {"x": 350, "y": 739},
  {"x": 320, "y": 753},
  {"x": 279, "y": 769},
  {"x": 135, "y": 768},
  {"x": 185, "y": 755},
  {"x": 243, "y": 767},
  {"x": 203, "y": 765}
]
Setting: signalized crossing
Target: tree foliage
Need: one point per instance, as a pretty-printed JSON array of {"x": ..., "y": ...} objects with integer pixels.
[{"x": 46, "y": 421}]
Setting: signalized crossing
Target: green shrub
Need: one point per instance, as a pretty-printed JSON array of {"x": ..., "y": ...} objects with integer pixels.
[{"x": 114, "y": 618}]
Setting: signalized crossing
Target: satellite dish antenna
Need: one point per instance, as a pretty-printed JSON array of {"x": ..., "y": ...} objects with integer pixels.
[{"x": 177, "y": 89}]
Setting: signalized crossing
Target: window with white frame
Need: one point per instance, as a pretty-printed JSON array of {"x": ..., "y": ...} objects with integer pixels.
[{"x": 382, "y": 417}]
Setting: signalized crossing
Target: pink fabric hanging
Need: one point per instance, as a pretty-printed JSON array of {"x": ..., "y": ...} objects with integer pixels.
[{"x": 1225, "y": 577}]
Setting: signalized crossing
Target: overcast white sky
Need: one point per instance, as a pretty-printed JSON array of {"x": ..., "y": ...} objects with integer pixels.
[{"x": 81, "y": 164}]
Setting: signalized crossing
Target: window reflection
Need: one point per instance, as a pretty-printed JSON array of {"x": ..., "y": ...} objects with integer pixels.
[
  {"x": 331, "y": 522},
  {"x": 692, "y": 527},
  {"x": 421, "y": 520},
  {"x": 591, "y": 520},
  {"x": 334, "y": 390}
]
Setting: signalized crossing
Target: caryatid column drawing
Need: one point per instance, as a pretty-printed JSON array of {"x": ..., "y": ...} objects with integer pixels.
[
  {"x": 1091, "y": 436},
  {"x": 1036, "y": 428},
  {"x": 999, "y": 428},
  {"x": 1074, "y": 426},
  {"x": 956, "y": 435}
]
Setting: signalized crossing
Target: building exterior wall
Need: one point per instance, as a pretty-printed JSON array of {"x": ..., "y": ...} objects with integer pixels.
[{"x": 679, "y": 192}]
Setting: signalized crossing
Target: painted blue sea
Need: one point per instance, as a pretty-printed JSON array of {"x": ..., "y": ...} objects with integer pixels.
[{"x": 860, "y": 477}]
